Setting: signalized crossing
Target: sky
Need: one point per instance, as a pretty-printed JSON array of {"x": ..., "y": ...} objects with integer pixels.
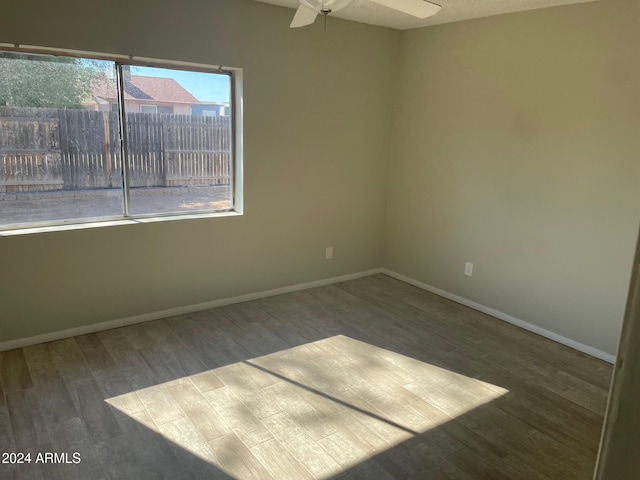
[{"x": 206, "y": 87}]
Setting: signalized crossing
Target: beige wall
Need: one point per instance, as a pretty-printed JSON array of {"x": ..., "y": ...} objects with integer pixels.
[
  {"x": 515, "y": 147},
  {"x": 316, "y": 147}
]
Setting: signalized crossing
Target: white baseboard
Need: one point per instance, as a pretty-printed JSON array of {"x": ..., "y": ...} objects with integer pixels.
[
  {"x": 122, "y": 322},
  {"x": 145, "y": 317},
  {"x": 594, "y": 352}
]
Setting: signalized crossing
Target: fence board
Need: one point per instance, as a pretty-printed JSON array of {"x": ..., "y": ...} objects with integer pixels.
[
  {"x": 51, "y": 149},
  {"x": 30, "y": 158},
  {"x": 195, "y": 153}
]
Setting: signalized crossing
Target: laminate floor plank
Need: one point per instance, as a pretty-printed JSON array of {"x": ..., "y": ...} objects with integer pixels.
[
  {"x": 119, "y": 391},
  {"x": 119, "y": 347},
  {"x": 260, "y": 341},
  {"x": 237, "y": 459},
  {"x": 165, "y": 366},
  {"x": 27, "y": 424},
  {"x": 6, "y": 435},
  {"x": 188, "y": 330},
  {"x": 92, "y": 408},
  {"x": 290, "y": 334},
  {"x": 161, "y": 406},
  {"x": 69, "y": 359},
  {"x": 348, "y": 454},
  {"x": 138, "y": 337},
  {"x": 323, "y": 401},
  {"x": 515, "y": 468},
  {"x": 94, "y": 351},
  {"x": 477, "y": 466},
  {"x": 374, "y": 420},
  {"x": 40, "y": 362},
  {"x": 206, "y": 381},
  {"x": 359, "y": 433},
  {"x": 209, "y": 423},
  {"x": 162, "y": 336},
  {"x": 238, "y": 317},
  {"x": 188, "y": 361},
  {"x": 555, "y": 459},
  {"x": 491, "y": 423},
  {"x": 118, "y": 459},
  {"x": 188, "y": 446},
  {"x": 15, "y": 373},
  {"x": 237, "y": 415},
  {"x": 307, "y": 417},
  {"x": 370, "y": 378},
  {"x": 279, "y": 462},
  {"x": 72, "y": 430},
  {"x": 152, "y": 451},
  {"x": 296, "y": 317},
  {"x": 71, "y": 437},
  {"x": 56, "y": 404},
  {"x": 246, "y": 384},
  {"x": 396, "y": 462},
  {"x": 566, "y": 429},
  {"x": 302, "y": 447}
]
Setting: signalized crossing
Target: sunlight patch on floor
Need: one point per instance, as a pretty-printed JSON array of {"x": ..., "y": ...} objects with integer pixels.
[{"x": 310, "y": 411}]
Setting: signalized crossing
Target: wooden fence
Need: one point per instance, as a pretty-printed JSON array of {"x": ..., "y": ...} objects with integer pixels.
[{"x": 50, "y": 149}]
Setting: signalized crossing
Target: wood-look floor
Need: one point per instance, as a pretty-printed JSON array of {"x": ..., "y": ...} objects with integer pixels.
[{"x": 367, "y": 379}]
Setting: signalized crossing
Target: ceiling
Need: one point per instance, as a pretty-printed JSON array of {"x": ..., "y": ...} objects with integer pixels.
[{"x": 364, "y": 11}]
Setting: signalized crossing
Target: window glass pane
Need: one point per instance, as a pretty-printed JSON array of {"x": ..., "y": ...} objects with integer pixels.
[
  {"x": 59, "y": 147},
  {"x": 180, "y": 158}
]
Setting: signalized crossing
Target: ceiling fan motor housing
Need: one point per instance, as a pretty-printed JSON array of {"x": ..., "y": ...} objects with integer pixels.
[{"x": 326, "y": 6}]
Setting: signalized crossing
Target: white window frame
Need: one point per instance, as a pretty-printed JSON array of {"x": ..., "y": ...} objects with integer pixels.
[{"x": 237, "y": 181}]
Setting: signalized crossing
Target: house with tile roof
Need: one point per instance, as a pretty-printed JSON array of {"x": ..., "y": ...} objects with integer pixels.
[{"x": 143, "y": 94}]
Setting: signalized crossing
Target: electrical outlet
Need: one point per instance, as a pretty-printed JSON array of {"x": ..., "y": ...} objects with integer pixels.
[
  {"x": 328, "y": 253},
  {"x": 468, "y": 269}
]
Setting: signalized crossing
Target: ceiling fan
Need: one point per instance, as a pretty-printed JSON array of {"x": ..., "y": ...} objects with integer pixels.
[{"x": 309, "y": 9}]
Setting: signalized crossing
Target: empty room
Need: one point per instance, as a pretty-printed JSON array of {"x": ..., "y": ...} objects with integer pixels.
[{"x": 296, "y": 239}]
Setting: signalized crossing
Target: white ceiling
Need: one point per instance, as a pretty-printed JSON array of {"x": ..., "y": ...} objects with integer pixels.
[{"x": 364, "y": 11}]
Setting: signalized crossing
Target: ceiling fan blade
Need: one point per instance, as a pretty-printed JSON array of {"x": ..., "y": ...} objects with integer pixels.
[
  {"x": 417, "y": 8},
  {"x": 304, "y": 16}
]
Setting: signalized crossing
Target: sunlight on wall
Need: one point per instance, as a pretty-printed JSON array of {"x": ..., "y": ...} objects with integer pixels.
[{"x": 332, "y": 404}]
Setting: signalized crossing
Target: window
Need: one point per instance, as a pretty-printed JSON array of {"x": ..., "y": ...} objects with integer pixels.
[
  {"x": 156, "y": 109},
  {"x": 148, "y": 109},
  {"x": 67, "y": 155}
]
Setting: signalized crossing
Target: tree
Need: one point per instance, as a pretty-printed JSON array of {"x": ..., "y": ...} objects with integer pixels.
[{"x": 44, "y": 81}]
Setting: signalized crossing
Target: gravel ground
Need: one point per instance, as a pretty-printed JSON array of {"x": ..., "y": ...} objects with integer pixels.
[{"x": 18, "y": 208}]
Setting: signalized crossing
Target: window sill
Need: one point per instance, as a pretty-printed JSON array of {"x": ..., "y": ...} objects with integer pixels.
[{"x": 109, "y": 222}]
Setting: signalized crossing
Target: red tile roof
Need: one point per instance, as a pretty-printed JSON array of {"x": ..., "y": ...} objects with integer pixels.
[{"x": 146, "y": 88}]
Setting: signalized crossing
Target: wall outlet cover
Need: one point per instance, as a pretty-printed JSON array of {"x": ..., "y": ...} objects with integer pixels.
[
  {"x": 468, "y": 269},
  {"x": 328, "y": 253}
]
